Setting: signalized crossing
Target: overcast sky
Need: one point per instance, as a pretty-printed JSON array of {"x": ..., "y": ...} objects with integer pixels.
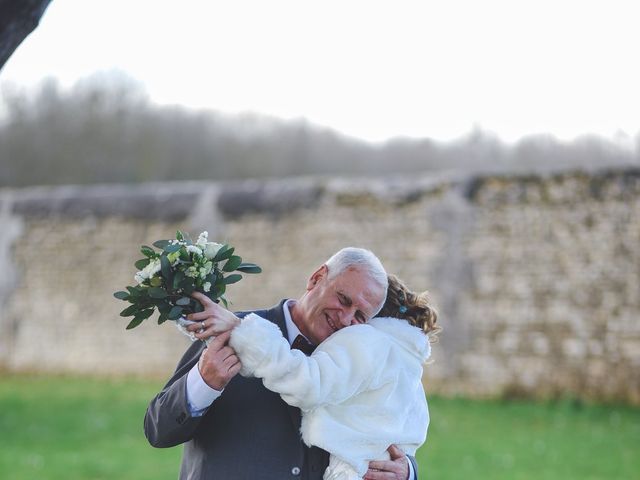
[{"x": 371, "y": 69}]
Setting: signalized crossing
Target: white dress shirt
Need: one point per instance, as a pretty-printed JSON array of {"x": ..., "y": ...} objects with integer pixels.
[{"x": 200, "y": 396}]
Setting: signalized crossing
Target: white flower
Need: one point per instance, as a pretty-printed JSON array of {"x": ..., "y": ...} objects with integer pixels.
[
  {"x": 211, "y": 249},
  {"x": 149, "y": 271},
  {"x": 191, "y": 272},
  {"x": 207, "y": 286},
  {"x": 205, "y": 269},
  {"x": 194, "y": 249},
  {"x": 153, "y": 267},
  {"x": 203, "y": 239}
]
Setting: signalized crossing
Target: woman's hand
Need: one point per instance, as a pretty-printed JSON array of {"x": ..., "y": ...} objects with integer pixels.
[{"x": 213, "y": 320}]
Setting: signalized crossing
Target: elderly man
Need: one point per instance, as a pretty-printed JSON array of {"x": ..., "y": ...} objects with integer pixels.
[{"x": 233, "y": 427}]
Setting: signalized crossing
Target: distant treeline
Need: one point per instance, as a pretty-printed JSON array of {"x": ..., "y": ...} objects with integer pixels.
[{"x": 99, "y": 132}]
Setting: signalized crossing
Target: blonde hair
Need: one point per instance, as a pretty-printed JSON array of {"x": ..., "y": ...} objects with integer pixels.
[{"x": 415, "y": 308}]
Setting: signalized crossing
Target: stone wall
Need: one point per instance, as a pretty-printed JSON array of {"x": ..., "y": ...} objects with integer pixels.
[{"x": 536, "y": 277}]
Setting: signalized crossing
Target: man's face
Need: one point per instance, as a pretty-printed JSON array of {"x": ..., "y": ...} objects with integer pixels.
[{"x": 329, "y": 305}]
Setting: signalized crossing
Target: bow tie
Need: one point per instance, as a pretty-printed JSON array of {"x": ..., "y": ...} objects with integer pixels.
[{"x": 302, "y": 344}]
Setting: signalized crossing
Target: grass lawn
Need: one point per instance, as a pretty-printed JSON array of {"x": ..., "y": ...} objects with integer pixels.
[
  {"x": 76, "y": 428},
  {"x": 530, "y": 441},
  {"x": 73, "y": 428}
]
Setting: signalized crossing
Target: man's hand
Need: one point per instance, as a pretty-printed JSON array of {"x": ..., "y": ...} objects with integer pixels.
[
  {"x": 395, "y": 469},
  {"x": 219, "y": 363}
]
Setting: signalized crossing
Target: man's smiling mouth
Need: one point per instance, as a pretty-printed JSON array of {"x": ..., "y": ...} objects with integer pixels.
[{"x": 333, "y": 326}]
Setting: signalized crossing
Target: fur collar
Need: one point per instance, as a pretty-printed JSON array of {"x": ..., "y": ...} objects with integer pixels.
[{"x": 410, "y": 337}]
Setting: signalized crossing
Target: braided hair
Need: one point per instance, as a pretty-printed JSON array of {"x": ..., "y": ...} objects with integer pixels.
[{"x": 413, "y": 307}]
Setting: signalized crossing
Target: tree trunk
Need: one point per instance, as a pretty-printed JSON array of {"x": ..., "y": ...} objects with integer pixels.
[{"x": 18, "y": 18}]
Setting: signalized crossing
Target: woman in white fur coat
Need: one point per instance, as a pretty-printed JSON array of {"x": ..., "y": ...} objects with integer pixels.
[{"x": 360, "y": 391}]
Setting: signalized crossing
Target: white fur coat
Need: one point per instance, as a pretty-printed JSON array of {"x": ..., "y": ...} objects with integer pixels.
[{"x": 359, "y": 392}]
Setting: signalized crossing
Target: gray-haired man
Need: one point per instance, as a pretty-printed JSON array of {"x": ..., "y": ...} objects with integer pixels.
[{"x": 233, "y": 427}]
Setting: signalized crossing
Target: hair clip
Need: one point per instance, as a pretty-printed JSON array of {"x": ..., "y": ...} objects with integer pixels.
[{"x": 402, "y": 309}]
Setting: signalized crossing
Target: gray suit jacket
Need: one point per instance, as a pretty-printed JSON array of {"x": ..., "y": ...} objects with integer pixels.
[{"x": 248, "y": 433}]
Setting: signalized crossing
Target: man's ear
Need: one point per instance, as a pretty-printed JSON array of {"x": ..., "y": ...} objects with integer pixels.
[{"x": 317, "y": 276}]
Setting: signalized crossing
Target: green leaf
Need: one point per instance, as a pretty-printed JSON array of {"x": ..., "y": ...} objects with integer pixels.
[
  {"x": 134, "y": 323},
  {"x": 224, "y": 302},
  {"x": 233, "y": 263},
  {"x": 144, "y": 314},
  {"x": 175, "y": 313},
  {"x": 165, "y": 268},
  {"x": 188, "y": 285},
  {"x": 157, "y": 292},
  {"x": 161, "y": 244},
  {"x": 140, "y": 264},
  {"x": 218, "y": 290},
  {"x": 140, "y": 316},
  {"x": 163, "y": 318},
  {"x": 197, "y": 306},
  {"x": 249, "y": 268},
  {"x": 163, "y": 306},
  {"x": 225, "y": 252},
  {"x": 130, "y": 310},
  {"x": 147, "y": 251},
  {"x": 220, "y": 252},
  {"x": 177, "y": 279},
  {"x": 172, "y": 248},
  {"x": 212, "y": 278},
  {"x": 183, "y": 301},
  {"x": 179, "y": 235},
  {"x": 133, "y": 291},
  {"x": 234, "y": 278},
  {"x": 142, "y": 294},
  {"x": 211, "y": 294},
  {"x": 121, "y": 295}
]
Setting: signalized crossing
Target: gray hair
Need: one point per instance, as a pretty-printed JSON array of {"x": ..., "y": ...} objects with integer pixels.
[{"x": 362, "y": 259}]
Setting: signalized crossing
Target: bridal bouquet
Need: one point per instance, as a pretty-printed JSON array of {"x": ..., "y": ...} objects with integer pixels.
[{"x": 167, "y": 277}]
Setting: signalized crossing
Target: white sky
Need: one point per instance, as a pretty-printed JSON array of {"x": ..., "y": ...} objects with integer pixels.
[{"x": 371, "y": 69}]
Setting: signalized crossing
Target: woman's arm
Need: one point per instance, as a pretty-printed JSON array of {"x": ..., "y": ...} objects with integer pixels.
[{"x": 341, "y": 366}]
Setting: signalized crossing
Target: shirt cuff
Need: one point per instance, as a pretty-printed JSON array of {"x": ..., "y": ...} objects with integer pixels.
[
  {"x": 200, "y": 396},
  {"x": 412, "y": 474}
]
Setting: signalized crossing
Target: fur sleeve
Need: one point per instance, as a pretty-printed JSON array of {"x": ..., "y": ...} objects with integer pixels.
[{"x": 340, "y": 367}]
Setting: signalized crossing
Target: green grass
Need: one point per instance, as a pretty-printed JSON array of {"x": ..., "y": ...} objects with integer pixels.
[
  {"x": 530, "y": 441},
  {"x": 72, "y": 428}
]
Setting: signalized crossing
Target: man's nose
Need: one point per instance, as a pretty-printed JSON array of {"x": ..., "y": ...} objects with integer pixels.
[{"x": 348, "y": 317}]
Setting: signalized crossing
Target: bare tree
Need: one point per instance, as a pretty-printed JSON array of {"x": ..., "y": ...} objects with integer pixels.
[{"x": 18, "y": 18}]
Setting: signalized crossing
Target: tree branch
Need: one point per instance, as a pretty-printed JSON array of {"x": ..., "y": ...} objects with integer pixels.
[{"x": 18, "y": 18}]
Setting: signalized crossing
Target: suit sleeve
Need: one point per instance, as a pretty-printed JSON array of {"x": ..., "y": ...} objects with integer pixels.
[
  {"x": 339, "y": 368},
  {"x": 168, "y": 421}
]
